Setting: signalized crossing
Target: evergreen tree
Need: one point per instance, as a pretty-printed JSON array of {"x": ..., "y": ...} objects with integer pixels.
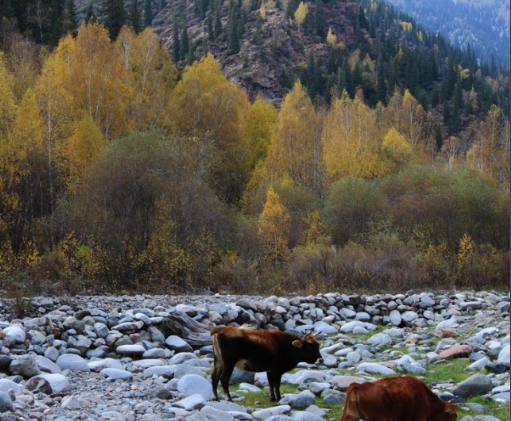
[
  {"x": 218, "y": 21},
  {"x": 233, "y": 44},
  {"x": 163, "y": 3},
  {"x": 211, "y": 32},
  {"x": 319, "y": 20},
  {"x": 90, "y": 16},
  {"x": 134, "y": 17},
  {"x": 70, "y": 24},
  {"x": 381, "y": 88},
  {"x": 148, "y": 12},
  {"x": 115, "y": 17},
  {"x": 185, "y": 43},
  {"x": 176, "y": 45}
]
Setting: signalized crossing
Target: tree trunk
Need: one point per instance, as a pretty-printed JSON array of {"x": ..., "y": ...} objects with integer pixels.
[{"x": 182, "y": 325}]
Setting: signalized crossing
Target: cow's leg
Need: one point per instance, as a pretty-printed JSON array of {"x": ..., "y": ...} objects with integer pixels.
[
  {"x": 276, "y": 381},
  {"x": 225, "y": 376},
  {"x": 271, "y": 381},
  {"x": 215, "y": 377}
]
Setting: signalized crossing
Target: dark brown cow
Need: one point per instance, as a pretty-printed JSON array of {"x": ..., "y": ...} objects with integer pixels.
[
  {"x": 258, "y": 350},
  {"x": 396, "y": 399}
]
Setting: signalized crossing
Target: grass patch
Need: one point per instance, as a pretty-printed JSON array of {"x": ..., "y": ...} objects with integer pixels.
[{"x": 450, "y": 370}]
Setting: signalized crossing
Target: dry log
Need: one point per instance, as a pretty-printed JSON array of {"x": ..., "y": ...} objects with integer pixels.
[{"x": 182, "y": 325}]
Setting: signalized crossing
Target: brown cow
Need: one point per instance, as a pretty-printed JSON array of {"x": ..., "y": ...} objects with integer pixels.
[
  {"x": 258, "y": 350},
  {"x": 395, "y": 399}
]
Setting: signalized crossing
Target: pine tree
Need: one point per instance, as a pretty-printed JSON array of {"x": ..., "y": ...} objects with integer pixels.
[
  {"x": 115, "y": 17},
  {"x": 218, "y": 21},
  {"x": 148, "y": 13},
  {"x": 319, "y": 20},
  {"x": 233, "y": 44},
  {"x": 381, "y": 88},
  {"x": 134, "y": 17},
  {"x": 211, "y": 32},
  {"x": 90, "y": 16},
  {"x": 176, "y": 45},
  {"x": 185, "y": 43}
]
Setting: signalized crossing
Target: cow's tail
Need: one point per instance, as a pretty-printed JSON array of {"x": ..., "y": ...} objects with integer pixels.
[{"x": 217, "y": 350}]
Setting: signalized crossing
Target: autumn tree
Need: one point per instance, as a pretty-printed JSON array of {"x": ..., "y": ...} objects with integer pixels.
[
  {"x": 396, "y": 149},
  {"x": 297, "y": 149},
  {"x": 204, "y": 102},
  {"x": 301, "y": 13},
  {"x": 273, "y": 229},
  {"x": 352, "y": 140},
  {"x": 150, "y": 76}
]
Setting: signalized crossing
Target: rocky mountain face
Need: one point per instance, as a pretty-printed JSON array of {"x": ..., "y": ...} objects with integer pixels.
[{"x": 274, "y": 50}]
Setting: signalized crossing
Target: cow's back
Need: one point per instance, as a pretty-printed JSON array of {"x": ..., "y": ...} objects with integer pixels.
[{"x": 393, "y": 398}]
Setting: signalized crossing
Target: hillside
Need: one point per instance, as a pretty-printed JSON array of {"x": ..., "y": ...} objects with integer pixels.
[{"x": 484, "y": 24}]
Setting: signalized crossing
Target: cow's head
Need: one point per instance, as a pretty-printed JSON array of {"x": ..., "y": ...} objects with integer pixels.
[
  {"x": 309, "y": 348},
  {"x": 449, "y": 414}
]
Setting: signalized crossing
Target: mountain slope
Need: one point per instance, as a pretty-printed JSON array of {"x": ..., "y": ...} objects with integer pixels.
[{"x": 484, "y": 24}]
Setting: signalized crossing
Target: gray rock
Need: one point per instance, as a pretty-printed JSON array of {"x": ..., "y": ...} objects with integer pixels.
[
  {"x": 263, "y": 414},
  {"x": 240, "y": 376},
  {"x": 503, "y": 357},
  {"x": 24, "y": 366},
  {"x": 343, "y": 382},
  {"x": 177, "y": 344},
  {"x": 375, "y": 368},
  {"x": 395, "y": 317},
  {"x": 300, "y": 400},
  {"x": 380, "y": 339},
  {"x": 5, "y": 362},
  {"x": 58, "y": 382},
  {"x": 14, "y": 335},
  {"x": 51, "y": 353},
  {"x": 105, "y": 363},
  {"x": 5, "y": 403},
  {"x": 47, "y": 365},
  {"x": 477, "y": 385},
  {"x": 192, "y": 384},
  {"x": 306, "y": 416},
  {"x": 409, "y": 316},
  {"x": 208, "y": 413},
  {"x": 72, "y": 362},
  {"x": 70, "y": 402},
  {"x": 116, "y": 374},
  {"x": 6, "y": 385},
  {"x": 190, "y": 403},
  {"x": 130, "y": 350}
]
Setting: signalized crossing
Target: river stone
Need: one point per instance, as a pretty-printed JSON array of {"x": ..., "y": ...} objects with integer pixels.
[
  {"x": 14, "y": 335},
  {"x": 51, "y": 353},
  {"x": 5, "y": 362},
  {"x": 375, "y": 368},
  {"x": 177, "y": 344},
  {"x": 190, "y": 403},
  {"x": 475, "y": 385},
  {"x": 360, "y": 330},
  {"x": 348, "y": 327},
  {"x": 380, "y": 339},
  {"x": 395, "y": 317},
  {"x": 116, "y": 374},
  {"x": 456, "y": 351},
  {"x": 306, "y": 416},
  {"x": 503, "y": 357},
  {"x": 209, "y": 413},
  {"x": 6, "y": 385},
  {"x": 24, "y": 366},
  {"x": 193, "y": 384},
  {"x": 300, "y": 400},
  {"x": 58, "y": 382},
  {"x": 130, "y": 350},
  {"x": 409, "y": 316},
  {"x": 240, "y": 376},
  {"x": 70, "y": 402},
  {"x": 263, "y": 414},
  {"x": 105, "y": 363},
  {"x": 343, "y": 382},
  {"x": 47, "y": 365},
  {"x": 5, "y": 403},
  {"x": 479, "y": 364},
  {"x": 72, "y": 362}
]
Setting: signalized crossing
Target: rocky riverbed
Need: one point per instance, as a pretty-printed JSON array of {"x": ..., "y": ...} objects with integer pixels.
[{"x": 118, "y": 358}]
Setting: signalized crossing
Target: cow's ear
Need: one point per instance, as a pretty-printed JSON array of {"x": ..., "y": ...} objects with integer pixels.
[
  {"x": 298, "y": 343},
  {"x": 310, "y": 338},
  {"x": 451, "y": 408}
]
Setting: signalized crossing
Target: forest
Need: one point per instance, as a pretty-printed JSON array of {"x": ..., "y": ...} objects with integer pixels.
[{"x": 118, "y": 171}]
